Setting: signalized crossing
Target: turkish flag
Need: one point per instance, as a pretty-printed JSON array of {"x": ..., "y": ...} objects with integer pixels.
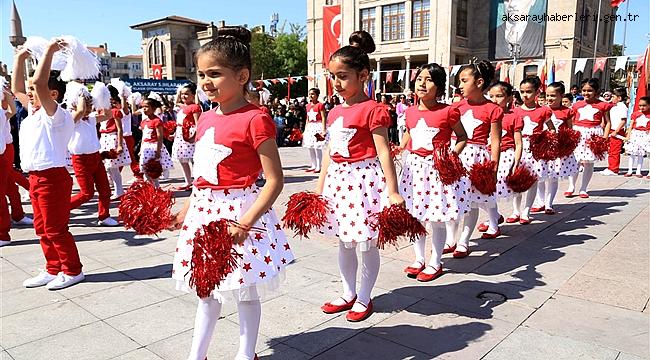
[
  {"x": 599, "y": 64},
  {"x": 616, "y": 3},
  {"x": 413, "y": 73},
  {"x": 332, "y": 40},
  {"x": 642, "y": 89},
  {"x": 561, "y": 65},
  {"x": 157, "y": 71},
  {"x": 389, "y": 77}
]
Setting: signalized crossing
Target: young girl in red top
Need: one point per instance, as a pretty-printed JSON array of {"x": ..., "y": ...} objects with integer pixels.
[
  {"x": 234, "y": 143},
  {"x": 534, "y": 117},
  {"x": 183, "y": 149},
  {"x": 591, "y": 115},
  {"x": 112, "y": 138},
  {"x": 638, "y": 137},
  {"x": 358, "y": 175},
  {"x": 151, "y": 146},
  {"x": 429, "y": 127},
  {"x": 314, "y": 127},
  {"x": 482, "y": 120}
]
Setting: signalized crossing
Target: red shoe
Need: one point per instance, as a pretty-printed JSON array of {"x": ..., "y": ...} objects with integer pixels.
[
  {"x": 549, "y": 211},
  {"x": 316, "y": 171},
  {"x": 328, "y": 308},
  {"x": 512, "y": 219},
  {"x": 309, "y": 170},
  {"x": 584, "y": 195},
  {"x": 354, "y": 316},
  {"x": 448, "y": 250},
  {"x": 627, "y": 175},
  {"x": 538, "y": 209},
  {"x": 413, "y": 271},
  {"x": 461, "y": 254},
  {"x": 482, "y": 227},
  {"x": 424, "y": 277},
  {"x": 568, "y": 194},
  {"x": 639, "y": 176},
  {"x": 182, "y": 188},
  {"x": 525, "y": 221},
  {"x": 491, "y": 236},
  {"x": 501, "y": 219}
]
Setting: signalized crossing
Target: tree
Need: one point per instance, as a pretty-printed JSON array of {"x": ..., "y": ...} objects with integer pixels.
[{"x": 617, "y": 79}]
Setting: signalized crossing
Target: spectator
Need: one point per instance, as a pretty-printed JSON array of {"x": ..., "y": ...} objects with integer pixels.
[{"x": 280, "y": 122}]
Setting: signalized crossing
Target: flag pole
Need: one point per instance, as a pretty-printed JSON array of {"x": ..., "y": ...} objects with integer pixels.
[
  {"x": 600, "y": 4},
  {"x": 627, "y": 7}
]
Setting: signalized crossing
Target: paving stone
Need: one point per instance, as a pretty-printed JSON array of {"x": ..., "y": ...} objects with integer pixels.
[
  {"x": 140, "y": 354},
  {"x": 607, "y": 291},
  {"x": 21, "y": 299},
  {"x": 281, "y": 351},
  {"x": 66, "y": 345},
  {"x": 366, "y": 346}
]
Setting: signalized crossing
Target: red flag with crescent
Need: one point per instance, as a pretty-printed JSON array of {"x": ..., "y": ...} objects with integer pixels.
[
  {"x": 157, "y": 71},
  {"x": 332, "y": 40}
]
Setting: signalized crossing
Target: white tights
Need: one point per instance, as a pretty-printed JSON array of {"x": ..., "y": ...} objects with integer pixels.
[
  {"x": 348, "y": 264},
  {"x": 587, "y": 172},
  {"x": 634, "y": 161},
  {"x": 187, "y": 172},
  {"x": 469, "y": 223},
  {"x": 315, "y": 156},
  {"x": 116, "y": 178},
  {"x": 524, "y": 212},
  {"x": 438, "y": 239},
  {"x": 207, "y": 314}
]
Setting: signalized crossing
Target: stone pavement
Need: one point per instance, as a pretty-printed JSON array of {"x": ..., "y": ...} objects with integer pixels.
[{"x": 575, "y": 287}]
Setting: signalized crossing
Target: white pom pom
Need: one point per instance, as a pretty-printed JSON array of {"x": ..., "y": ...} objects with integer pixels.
[
  {"x": 154, "y": 95},
  {"x": 203, "y": 97},
  {"x": 38, "y": 45},
  {"x": 122, "y": 88},
  {"x": 136, "y": 97},
  {"x": 101, "y": 96},
  {"x": 72, "y": 92},
  {"x": 265, "y": 95},
  {"x": 4, "y": 85},
  {"x": 81, "y": 62}
]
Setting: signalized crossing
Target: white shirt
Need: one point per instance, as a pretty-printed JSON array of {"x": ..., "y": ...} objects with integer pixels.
[
  {"x": 44, "y": 139},
  {"x": 3, "y": 130},
  {"x": 84, "y": 139},
  {"x": 126, "y": 124},
  {"x": 618, "y": 115},
  {"x": 7, "y": 131}
]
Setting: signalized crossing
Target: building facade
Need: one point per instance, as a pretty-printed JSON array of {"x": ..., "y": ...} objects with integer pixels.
[
  {"x": 115, "y": 66},
  {"x": 410, "y": 33}
]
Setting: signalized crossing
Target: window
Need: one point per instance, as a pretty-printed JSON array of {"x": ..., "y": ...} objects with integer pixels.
[
  {"x": 585, "y": 24},
  {"x": 179, "y": 57},
  {"x": 393, "y": 21},
  {"x": 461, "y": 18},
  {"x": 157, "y": 53},
  {"x": 368, "y": 20},
  {"x": 421, "y": 18}
]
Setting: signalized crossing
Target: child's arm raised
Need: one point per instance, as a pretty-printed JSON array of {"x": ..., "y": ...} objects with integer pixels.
[{"x": 42, "y": 77}]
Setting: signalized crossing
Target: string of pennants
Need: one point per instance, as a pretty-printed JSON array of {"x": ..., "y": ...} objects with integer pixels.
[{"x": 560, "y": 64}]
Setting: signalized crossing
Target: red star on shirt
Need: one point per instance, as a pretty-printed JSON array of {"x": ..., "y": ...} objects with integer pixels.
[
  {"x": 200, "y": 209},
  {"x": 267, "y": 260},
  {"x": 284, "y": 261},
  {"x": 338, "y": 188},
  {"x": 372, "y": 184},
  {"x": 351, "y": 206},
  {"x": 226, "y": 192},
  {"x": 350, "y": 187},
  {"x": 247, "y": 267},
  {"x": 374, "y": 201},
  {"x": 286, "y": 246},
  {"x": 262, "y": 275},
  {"x": 241, "y": 281},
  {"x": 189, "y": 242},
  {"x": 209, "y": 211},
  {"x": 352, "y": 223},
  {"x": 231, "y": 208},
  {"x": 176, "y": 249},
  {"x": 218, "y": 211},
  {"x": 184, "y": 263}
]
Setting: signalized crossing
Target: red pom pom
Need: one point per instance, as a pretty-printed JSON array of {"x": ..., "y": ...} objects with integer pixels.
[
  {"x": 169, "y": 128},
  {"x": 213, "y": 257},
  {"x": 447, "y": 163},
  {"x": 393, "y": 222},
  {"x": 598, "y": 145},
  {"x": 521, "y": 179},
  {"x": 305, "y": 210},
  {"x": 110, "y": 154},
  {"x": 568, "y": 140},
  {"x": 153, "y": 168},
  {"x": 483, "y": 177},
  {"x": 189, "y": 129},
  {"x": 543, "y": 145},
  {"x": 395, "y": 151},
  {"x": 146, "y": 209}
]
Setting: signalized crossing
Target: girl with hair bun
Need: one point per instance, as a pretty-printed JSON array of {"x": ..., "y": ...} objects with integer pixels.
[
  {"x": 482, "y": 121},
  {"x": 186, "y": 118},
  {"x": 235, "y": 142},
  {"x": 358, "y": 175}
]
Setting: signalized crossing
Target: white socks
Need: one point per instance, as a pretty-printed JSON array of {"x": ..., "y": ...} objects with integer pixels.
[
  {"x": 586, "y": 176},
  {"x": 187, "y": 172},
  {"x": 312, "y": 158},
  {"x": 348, "y": 264},
  {"x": 471, "y": 218},
  {"x": 493, "y": 218},
  {"x": 530, "y": 198},
  {"x": 207, "y": 314},
  {"x": 319, "y": 158},
  {"x": 438, "y": 236},
  {"x": 551, "y": 191},
  {"x": 116, "y": 178}
]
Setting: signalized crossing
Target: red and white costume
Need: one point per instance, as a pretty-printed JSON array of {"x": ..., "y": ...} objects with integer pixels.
[
  {"x": 149, "y": 144},
  {"x": 566, "y": 166},
  {"x": 5, "y": 170},
  {"x": 477, "y": 121},
  {"x": 588, "y": 121},
  {"x": 226, "y": 167},
  {"x": 88, "y": 166},
  {"x": 43, "y": 147},
  {"x": 533, "y": 121},
  {"x": 427, "y": 198},
  {"x": 354, "y": 185},
  {"x": 511, "y": 123},
  {"x": 15, "y": 178},
  {"x": 639, "y": 142},
  {"x": 313, "y": 126},
  {"x": 183, "y": 151},
  {"x": 127, "y": 134},
  {"x": 108, "y": 141}
]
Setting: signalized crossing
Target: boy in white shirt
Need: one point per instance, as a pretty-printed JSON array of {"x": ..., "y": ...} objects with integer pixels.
[{"x": 618, "y": 117}]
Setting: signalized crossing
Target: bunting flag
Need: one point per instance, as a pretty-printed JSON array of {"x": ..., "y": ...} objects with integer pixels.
[
  {"x": 267, "y": 82},
  {"x": 551, "y": 76},
  {"x": 414, "y": 72},
  {"x": 370, "y": 90},
  {"x": 282, "y": 81},
  {"x": 389, "y": 77},
  {"x": 157, "y": 71},
  {"x": 542, "y": 77},
  {"x": 642, "y": 87},
  {"x": 318, "y": 76},
  {"x": 310, "y": 78},
  {"x": 561, "y": 65},
  {"x": 621, "y": 61},
  {"x": 616, "y": 3},
  {"x": 400, "y": 75},
  {"x": 275, "y": 81},
  {"x": 599, "y": 64},
  {"x": 375, "y": 76},
  {"x": 292, "y": 80},
  {"x": 499, "y": 65},
  {"x": 454, "y": 70},
  {"x": 580, "y": 65}
]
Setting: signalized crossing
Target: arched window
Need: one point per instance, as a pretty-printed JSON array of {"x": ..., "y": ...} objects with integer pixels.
[
  {"x": 157, "y": 52},
  {"x": 162, "y": 52},
  {"x": 179, "y": 56},
  {"x": 150, "y": 53}
]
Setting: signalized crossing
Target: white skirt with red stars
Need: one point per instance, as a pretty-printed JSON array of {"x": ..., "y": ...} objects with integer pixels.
[
  {"x": 582, "y": 151},
  {"x": 148, "y": 152},
  {"x": 506, "y": 161},
  {"x": 472, "y": 154},
  {"x": 537, "y": 167},
  {"x": 638, "y": 144},
  {"x": 427, "y": 198},
  {"x": 564, "y": 167},
  {"x": 309, "y": 136},
  {"x": 108, "y": 141},
  {"x": 355, "y": 191},
  {"x": 265, "y": 253}
]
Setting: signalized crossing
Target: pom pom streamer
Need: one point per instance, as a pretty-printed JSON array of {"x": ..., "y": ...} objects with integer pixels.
[
  {"x": 447, "y": 163},
  {"x": 305, "y": 210},
  {"x": 521, "y": 179},
  {"x": 154, "y": 95},
  {"x": 169, "y": 128},
  {"x": 146, "y": 209},
  {"x": 101, "y": 96},
  {"x": 189, "y": 129},
  {"x": 122, "y": 88},
  {"x": 568, "y": 140},
  {"x": 72, "y": 92},
  {"x": 81, "y": 63},
  {"x": 393, "y": 222},
  {"x": 37, "y": 46},
  {"x": 543, "y": 145},
  {"x": 598, "y": 145},
  {"x": 153, "y": 168},
  {"x": 483, "y": 178},
  {"x": 213, "y": 257},
  {"x": 136, "y": 97}
]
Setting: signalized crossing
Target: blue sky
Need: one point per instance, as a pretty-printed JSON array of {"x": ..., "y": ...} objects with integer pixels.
[{"x": 97, "y": 22}]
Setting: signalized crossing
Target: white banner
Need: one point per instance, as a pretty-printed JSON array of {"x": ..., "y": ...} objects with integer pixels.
[
  {"x": 580, "y": 65},
  {"x": 400, "y": 75},
  {"x": 454, "y": 70},
  {"x": 620, "y": 63}
]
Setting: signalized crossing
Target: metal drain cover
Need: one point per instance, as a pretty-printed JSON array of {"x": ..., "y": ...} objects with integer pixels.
[{"x": 491, "y": 296}]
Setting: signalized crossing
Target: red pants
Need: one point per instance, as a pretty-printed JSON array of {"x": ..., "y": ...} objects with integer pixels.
[
  {"x": 130, "y": 145},
  {"x": 5, "y": 165},
  {"x": 90, "y": 173},
  {"x": 11, "y": 189},
  {"x": 50, "y": 194},
  {"x": 17, "y": 177},
  {"x": 614, "y": 154}
]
